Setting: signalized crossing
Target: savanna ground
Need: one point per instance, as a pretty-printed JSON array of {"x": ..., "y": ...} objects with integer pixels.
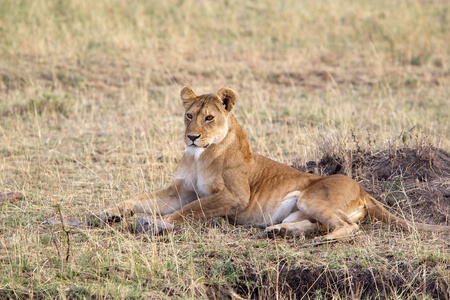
[{"x": 90, "y": 115}]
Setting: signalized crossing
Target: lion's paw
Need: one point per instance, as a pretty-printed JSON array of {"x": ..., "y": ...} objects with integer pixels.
[
  {"x": 152, "y": 226},
  {"x": 274, "y": 231},
  {"x": 110, "y": 216},
  {"x": 323, "y": 240}
]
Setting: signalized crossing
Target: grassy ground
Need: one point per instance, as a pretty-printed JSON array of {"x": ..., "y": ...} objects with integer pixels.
[{"x": 90, "y": 115}]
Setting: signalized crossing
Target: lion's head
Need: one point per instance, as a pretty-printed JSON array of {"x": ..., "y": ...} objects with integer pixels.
[{"x": 206, "y": 117}]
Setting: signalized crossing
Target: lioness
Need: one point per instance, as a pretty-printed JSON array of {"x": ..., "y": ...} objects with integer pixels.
[{"x": 220, "y": 175}]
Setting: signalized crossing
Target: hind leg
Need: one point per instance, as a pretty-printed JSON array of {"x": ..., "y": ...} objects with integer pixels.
[
  {"x": 336, "y": 220},
  {"x": 340, "y": 224},
  {"x": 296, "y": 224},
  {"x": 338, "y": 233},
  {"x": 336, "y": 202},
  {"x": 344, "y": 224}
]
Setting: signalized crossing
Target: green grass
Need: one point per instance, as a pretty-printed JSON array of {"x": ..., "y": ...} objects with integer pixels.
[{"x": 90, "y": 115}]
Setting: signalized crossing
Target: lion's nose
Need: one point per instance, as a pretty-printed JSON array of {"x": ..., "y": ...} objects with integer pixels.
[{"x": 193, "y": 137}]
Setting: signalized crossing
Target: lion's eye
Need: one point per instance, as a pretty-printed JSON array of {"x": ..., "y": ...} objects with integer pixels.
[
  {"x": 209, "y": 118},
  {"x": 189, "y": 116}
]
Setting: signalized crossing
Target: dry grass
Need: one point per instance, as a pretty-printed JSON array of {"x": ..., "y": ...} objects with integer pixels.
[{"x": 89, "y": 115}]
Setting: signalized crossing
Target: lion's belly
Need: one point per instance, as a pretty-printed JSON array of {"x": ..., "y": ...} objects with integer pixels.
[{"x": 266, "y": 212}]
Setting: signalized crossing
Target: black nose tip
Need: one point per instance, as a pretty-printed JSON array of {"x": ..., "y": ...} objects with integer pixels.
[{"x": 193, "y": 137}]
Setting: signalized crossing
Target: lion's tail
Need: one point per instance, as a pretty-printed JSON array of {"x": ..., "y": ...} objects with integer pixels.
[{"x": 376, "y": 210}]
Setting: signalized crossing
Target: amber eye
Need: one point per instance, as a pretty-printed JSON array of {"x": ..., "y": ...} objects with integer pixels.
[
  {"x": 189, "y": 116},
  {"x": 209, "y": 118}
]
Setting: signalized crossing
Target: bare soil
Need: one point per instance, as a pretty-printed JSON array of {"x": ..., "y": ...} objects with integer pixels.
[{"x": 353, "y": 283}]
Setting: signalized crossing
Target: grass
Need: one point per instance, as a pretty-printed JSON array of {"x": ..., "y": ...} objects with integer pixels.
[{"x": 90, "y": 115}]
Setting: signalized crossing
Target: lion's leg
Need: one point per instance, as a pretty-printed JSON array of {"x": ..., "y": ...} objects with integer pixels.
[
  {"x": 341, "y": 232},
  {"x": 296, "y": 224},
  {"x": 161, "y": 202},
  {"x": 222, "y": 203},
  {"x": 336, "y": 203},
  {"x": 338, "y": 221},
  {"x": 291, "y": 229}
]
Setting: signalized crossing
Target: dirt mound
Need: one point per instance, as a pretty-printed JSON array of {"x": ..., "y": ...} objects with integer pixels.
[
  {"x": 414, "y": 183},
  {"x": 321, "y": 282}
]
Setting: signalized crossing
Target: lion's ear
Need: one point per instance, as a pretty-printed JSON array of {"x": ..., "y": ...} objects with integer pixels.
[
  {"x": 228, "y": 98},
  {"x": 187, "y": 96}
]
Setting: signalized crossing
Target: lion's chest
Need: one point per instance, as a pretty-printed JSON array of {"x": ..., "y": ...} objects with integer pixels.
[
  {"x": 203, "y": 184},
  {"x": 197, "y": 179}
]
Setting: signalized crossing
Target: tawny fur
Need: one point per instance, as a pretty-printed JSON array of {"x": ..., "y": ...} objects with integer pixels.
[{"x": 219, "y": 175}]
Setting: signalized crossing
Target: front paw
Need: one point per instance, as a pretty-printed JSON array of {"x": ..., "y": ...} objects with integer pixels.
[
  {"x": 152, "y": 226},
  {"x": 111, "y": 215}
]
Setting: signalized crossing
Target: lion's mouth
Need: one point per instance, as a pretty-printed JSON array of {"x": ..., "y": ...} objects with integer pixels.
[{"x": 197, "y": 146}]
